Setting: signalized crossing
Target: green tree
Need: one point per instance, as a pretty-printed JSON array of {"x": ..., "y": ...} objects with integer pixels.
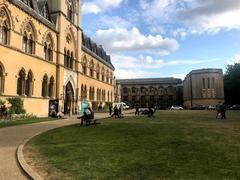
[
  {"x": 17, "y": 106},
  {"x": 232, "y": 84}
]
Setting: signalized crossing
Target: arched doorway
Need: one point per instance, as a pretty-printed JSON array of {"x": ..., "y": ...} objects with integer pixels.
[{"x": 69, "y": 99}]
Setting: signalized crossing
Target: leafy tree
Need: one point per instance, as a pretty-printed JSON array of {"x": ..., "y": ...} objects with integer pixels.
[
  {"x": 232, "y": 84},
  {"x": 17, "y": 106}
]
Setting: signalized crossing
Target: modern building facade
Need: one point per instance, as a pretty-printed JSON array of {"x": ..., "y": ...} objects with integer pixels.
[
  {"x": 160, "y": 92},
  {"x": 45, "y": 56},
  {"x": 203, "y": 87}
]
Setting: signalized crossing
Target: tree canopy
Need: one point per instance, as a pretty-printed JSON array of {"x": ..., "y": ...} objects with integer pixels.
[{"x": 232, "y": 84}]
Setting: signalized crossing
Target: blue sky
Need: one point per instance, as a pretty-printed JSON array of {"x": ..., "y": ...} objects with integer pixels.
[{"x": 162, "y": 38}]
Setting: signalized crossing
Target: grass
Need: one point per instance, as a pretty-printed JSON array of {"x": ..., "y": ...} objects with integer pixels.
[
  {"x": 173, "y": 145},
  {"x": 8, "y": 123}
]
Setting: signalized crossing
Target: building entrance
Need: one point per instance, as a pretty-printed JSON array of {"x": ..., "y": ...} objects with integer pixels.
[{"x": 69, "y": 99}]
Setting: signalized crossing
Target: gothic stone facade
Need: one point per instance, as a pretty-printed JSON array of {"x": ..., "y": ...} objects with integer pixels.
[
  {"x": 45, "y": 56},
  {"x": 160, "y": 92},
  {"x": 203, "y": 87}
]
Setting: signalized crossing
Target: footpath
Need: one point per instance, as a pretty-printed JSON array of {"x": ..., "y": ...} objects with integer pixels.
[{"x": 12, "y": 137}]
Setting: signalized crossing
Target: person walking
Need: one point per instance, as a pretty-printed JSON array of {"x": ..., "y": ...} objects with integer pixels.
[
  {"x": 137, "y": 110},
  {"x": 223, "y": 109},
  {"x": 110, "y": 110},
  {"x": 218, "y": 106}
]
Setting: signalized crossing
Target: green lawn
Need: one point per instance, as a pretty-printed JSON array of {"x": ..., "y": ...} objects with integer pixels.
[
  {"x": 173, "y": 145},
  {"x": 8, "y": 123}
]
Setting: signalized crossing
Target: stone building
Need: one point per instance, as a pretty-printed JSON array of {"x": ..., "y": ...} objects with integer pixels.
[
  {"x": 203, "y": 87},
  {"x": 45, "y": 56},
  {"x": 160, "y": 92}
]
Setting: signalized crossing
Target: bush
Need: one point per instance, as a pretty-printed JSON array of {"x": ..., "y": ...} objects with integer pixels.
[
  {"x": 17, "y": 106},
  {"x": 2, "y": 102}
]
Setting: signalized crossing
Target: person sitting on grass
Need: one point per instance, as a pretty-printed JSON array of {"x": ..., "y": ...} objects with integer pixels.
[
  {"x": 151, "y": 112},
  {"x": 60, "y": 115}
]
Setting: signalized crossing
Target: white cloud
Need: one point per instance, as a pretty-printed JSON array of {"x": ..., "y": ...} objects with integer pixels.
[
  {"x": 121, "y": 39},
  {"x": 235, "y": 59},
  {"x": 194, "y": 16},
  {"x": 114, "y": 22},
  {"x": 98, "y": 6},
  {"x": 146, "y": 66}
]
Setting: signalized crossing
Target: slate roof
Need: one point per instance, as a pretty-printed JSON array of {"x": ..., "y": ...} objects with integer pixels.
[{"x": 97, "y": 51}]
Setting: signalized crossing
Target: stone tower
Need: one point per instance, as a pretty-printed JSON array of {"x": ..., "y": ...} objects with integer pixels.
[{"x": 67, "y": 17}]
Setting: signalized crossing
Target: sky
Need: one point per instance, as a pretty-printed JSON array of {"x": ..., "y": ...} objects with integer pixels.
[{"x": 164, "y": 38}]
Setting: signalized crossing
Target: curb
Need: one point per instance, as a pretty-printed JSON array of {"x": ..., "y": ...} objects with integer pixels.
[
  {"x": 22, "y": 162},
  {"x": 29, "y": 172}
]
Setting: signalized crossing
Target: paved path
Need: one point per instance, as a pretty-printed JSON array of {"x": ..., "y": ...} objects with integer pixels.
[{"x": 12, "y": 137}]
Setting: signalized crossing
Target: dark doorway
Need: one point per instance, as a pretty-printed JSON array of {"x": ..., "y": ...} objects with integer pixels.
[{"x": 69, "y": 99}]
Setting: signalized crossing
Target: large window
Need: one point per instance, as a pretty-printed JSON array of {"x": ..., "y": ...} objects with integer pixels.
[
  {"x": 91, "y": 69},
  {"x": 4, "y": 33},
  {"x": 1, "y": 79},
  {"x": 45, "y": 86},
  {"x": 68, "y": 59},
  {"x": 28, "y": 40},
  {"x": 208, "y": 83},
  {"x": 84, "y": 67},
  {"x": 203, "y": 83},
  {"x": 29, "y": 85},
  {"x": 21, "y": 83},
  {"x": 70, "y": 11},
  {"x": 51, "y": 87},
  {"x": 48, "y": 49},
  {"x": 213, "y": 83},
  {"x": 4, "y": 26}
]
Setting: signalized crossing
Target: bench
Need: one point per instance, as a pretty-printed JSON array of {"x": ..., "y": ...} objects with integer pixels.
[{"x": 88, "y": 121}]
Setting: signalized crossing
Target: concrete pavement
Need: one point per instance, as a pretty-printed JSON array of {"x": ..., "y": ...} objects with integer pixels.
[{"x": 12, "y": 137}]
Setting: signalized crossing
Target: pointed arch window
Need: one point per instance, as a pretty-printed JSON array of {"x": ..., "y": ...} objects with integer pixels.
[
  {"x": 29, "y": 85},
  {"x": 84, "y": 68},
  {"x": 30, "y": 45},
  {"x": 51, "y": 87},
  {"x": 65, "y": 57},
  {"x": 48, "y": 49},
  {"x": 90, "y": 93},
  {"x": 71, "y": 61},
  {"x": 70, "y": 11},
  {"x": 2, "y": 80},
  {"x": 45, "y": 86},
  {"x": 4, "y": 26},
  {"x": 21, "y": 83},
  {"x": 4, "y": 33},
  {"x": 97, "y": 72},
  {"x": 24, "y": 44},
  {"x": 93, "y": 94},
  {"x": 85, "y": 92},
  {"x": 82, "y": 92},
  {"x": 92, "y": 69},
  {"x": 28, "y": 39}
]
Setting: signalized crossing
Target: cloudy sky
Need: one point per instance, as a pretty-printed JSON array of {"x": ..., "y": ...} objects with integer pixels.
[{"x": 162, "y": 38}]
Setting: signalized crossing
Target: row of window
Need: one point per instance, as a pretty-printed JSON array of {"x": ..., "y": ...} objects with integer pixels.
[
  {"x": 25, "y": 84},
  {"x": 145, "y": 98},
  {"x": 68, "y": 59},
  {"x": 101, "y": 77},
  {"x": 101, "y": 94},
  {"x": 208, "y": 83},
  {"x": 161, "y": 90}
]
